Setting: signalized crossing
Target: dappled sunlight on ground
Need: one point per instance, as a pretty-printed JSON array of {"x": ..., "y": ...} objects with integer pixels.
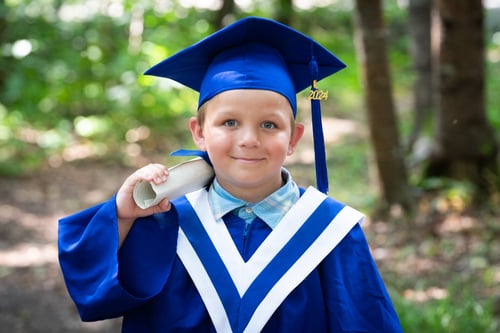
[
  {"x": 27, "y": 254},
  {"x": 33, "y": 297},
  {"x": 425, "y": 257}
]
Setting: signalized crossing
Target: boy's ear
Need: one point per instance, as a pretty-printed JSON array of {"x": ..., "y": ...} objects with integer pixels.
[
  {"x": 197, "y": 133},
  {"x": 296, "y": 136}
]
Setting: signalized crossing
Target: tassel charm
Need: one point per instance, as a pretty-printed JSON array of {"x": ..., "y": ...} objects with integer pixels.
[{"x": 317, "y": 94}]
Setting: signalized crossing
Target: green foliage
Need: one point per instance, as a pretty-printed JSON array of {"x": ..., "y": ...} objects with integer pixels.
[
  {"x": 449, "y": 189},
  {"x": 493, "y": 86},
  {"x": 349, "y": 177},
  {"x": 493, "y": 67},
  {"x": 459, "y": 311},
  {"x": 72, "y": 75}
]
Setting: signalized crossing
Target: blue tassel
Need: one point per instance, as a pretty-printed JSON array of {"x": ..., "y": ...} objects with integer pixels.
[
  {"x": 317, "y": 126},
  {"x": 319, "y": 145}
]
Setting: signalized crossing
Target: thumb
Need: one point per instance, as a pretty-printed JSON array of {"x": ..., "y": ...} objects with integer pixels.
[{"x": 162, "y": 206}]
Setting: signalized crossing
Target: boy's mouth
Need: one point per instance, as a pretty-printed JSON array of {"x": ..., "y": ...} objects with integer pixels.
[{"x": 248, "y": 159}]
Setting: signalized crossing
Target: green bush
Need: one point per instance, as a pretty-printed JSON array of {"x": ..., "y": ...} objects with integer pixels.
[{"x": 459, "y": 312}]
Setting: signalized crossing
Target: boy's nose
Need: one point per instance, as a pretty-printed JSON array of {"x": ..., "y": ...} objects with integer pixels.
[{"x": 249, "y": 137}]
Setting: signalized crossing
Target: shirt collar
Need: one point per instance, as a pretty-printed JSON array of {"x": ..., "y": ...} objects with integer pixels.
[{"x": 271, "y": 209}]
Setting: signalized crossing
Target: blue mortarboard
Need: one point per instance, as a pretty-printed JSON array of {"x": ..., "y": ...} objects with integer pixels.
[{"x": 257, "y": 53}]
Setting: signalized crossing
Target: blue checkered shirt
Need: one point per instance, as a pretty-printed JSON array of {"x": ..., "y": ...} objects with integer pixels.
[{"x": 270, "y": 210}]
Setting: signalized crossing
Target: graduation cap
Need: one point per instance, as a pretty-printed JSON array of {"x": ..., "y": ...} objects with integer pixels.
[{"x": 257, "y": 53}]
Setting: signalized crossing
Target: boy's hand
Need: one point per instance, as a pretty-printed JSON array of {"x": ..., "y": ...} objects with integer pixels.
[{"x": 126, "y": 208}]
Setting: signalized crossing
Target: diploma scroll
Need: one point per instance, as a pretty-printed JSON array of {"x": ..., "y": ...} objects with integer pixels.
[{"x": 183, "y": 178}]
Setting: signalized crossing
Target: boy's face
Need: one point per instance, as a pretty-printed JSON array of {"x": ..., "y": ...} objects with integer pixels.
[{"x": 247, "y": 134}]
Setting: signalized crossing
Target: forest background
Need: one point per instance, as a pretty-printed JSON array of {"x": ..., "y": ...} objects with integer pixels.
[{"x": 77, "y": 116}]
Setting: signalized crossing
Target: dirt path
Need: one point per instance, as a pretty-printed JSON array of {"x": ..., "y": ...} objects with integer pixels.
[{"x": 32, "y": 293}]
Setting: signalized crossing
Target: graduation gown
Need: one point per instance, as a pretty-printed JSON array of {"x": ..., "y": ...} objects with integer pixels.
[{"x": 180, "y": 271}]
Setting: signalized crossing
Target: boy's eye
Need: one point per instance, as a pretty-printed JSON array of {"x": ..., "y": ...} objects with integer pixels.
[
  {"x": 268, "y": 125},
  {"x": 230, "y": 123}
]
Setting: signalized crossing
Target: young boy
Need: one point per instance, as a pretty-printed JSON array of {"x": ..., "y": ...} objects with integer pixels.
[{"x": 252, "y": 252}]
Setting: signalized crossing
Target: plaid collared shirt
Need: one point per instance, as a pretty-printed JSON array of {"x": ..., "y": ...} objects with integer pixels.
[{"x": 270, "y": 210}]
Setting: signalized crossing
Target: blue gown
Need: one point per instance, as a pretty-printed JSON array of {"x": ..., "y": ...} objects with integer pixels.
[{"x": 147, "y": 283}]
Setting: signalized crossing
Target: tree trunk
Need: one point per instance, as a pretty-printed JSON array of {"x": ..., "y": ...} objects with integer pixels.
[
  {"x": 466, "y": 146},
  {"x": 419, "y": 30},
  {"x": 284, "y": 11},
  {"x": 371, "y": 45},
  {"x": 228, "y": 7}
]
